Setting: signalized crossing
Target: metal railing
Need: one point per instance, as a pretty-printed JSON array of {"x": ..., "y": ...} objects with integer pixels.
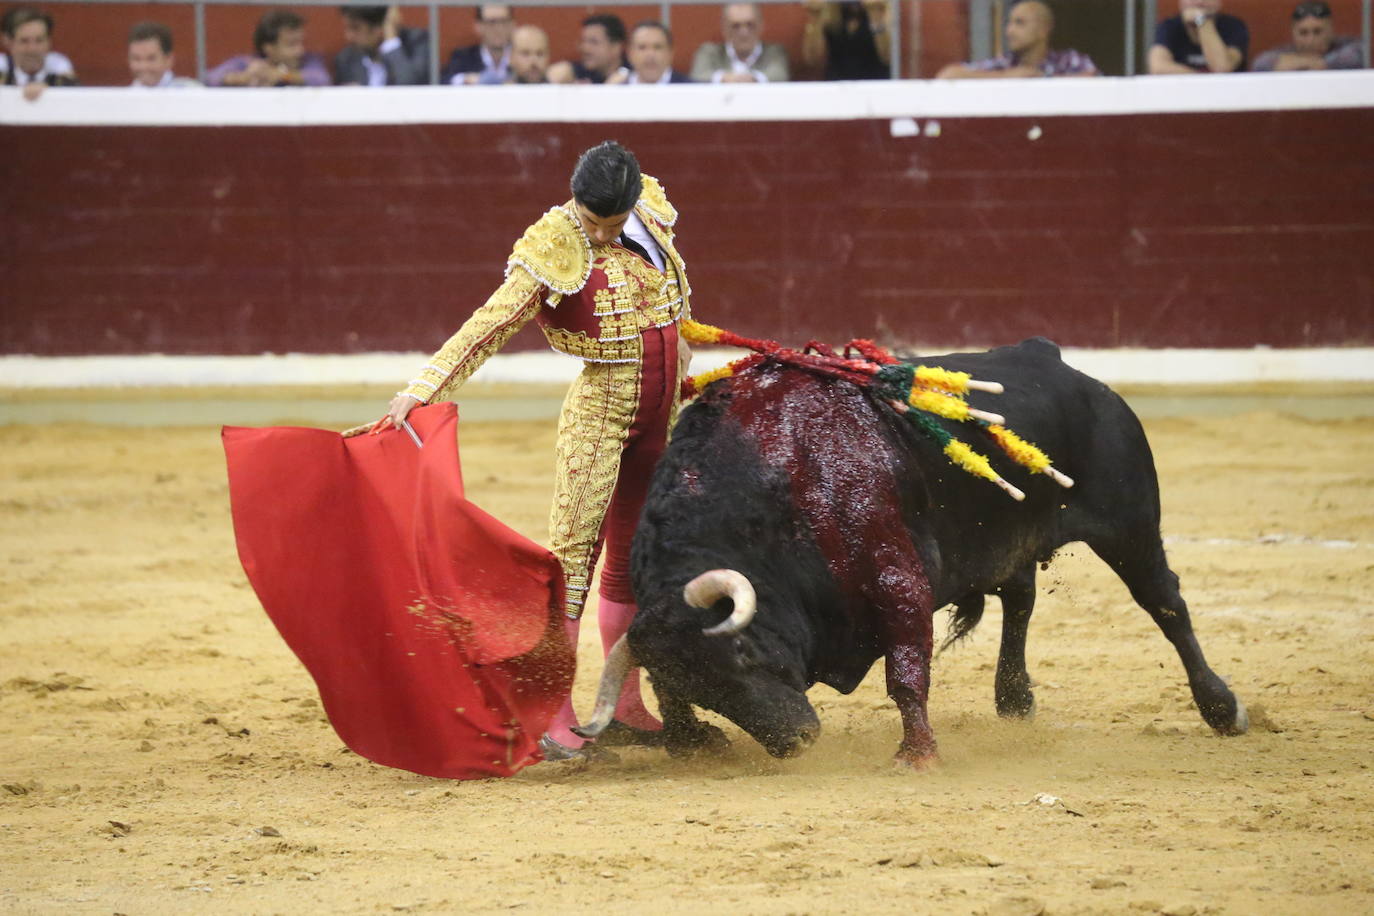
[{"x": 985, "y": 17}]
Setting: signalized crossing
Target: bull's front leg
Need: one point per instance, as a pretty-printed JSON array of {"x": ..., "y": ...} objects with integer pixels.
[
  {"x": 683, "y": 733},
  {"x": 908, "y": 683},
  {"x": 908, "y": 630}
]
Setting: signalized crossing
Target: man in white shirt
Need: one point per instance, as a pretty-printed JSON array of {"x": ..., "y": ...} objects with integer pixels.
[
  {"x": 651, "y": 57},
  {"x": 150, "y": 58},
  {"x": 743, "y": 57}
]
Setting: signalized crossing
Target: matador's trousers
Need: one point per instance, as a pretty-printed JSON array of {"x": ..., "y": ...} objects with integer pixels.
[{"x": 612, "y": 431}]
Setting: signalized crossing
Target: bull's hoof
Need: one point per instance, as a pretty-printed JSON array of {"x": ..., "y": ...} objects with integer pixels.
[
  {"x": 1220, "y": 708},
  {"x": 913, "y": 762},
  {"x": 703, "y": 739},
  {"x": 1018, "y": 707},
  {"x": 1239, "y": 723},
  {"x": 1014, "y": 697}
]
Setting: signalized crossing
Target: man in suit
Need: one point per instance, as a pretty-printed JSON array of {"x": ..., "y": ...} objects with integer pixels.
[
  {"x": 380, "y": 51},
  {"x": 743, "y": 57},
  {"x": 651, "y": 57},
  {"x": 29, "y": 59},
  {"x": 601, "y": 50},
  {"x": 488, "y": 62}
]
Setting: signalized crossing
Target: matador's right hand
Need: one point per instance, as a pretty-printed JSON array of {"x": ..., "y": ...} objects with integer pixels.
[{"x": 396, "y": 411}]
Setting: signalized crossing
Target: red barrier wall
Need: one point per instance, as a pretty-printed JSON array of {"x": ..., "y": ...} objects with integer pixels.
[{"x": 1192, "y": 230}]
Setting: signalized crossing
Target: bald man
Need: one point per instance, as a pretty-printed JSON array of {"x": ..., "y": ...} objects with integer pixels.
[
  {"x": 1029, "y": 26},
  {"x": 529, "y": 55}
]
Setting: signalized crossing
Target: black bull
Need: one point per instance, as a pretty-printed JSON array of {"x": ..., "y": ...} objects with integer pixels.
[{"x": 852, "y": 529}]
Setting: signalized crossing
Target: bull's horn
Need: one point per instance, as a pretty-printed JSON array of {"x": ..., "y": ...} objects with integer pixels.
[
  {"x": 709, "y": 587},
  {"x": 619, "y": 661}
]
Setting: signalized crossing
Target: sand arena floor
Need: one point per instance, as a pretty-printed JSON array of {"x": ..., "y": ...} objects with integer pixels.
[{"x": 163, "y": 752}]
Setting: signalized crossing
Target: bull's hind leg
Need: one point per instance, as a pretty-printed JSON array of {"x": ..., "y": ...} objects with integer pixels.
[
  {"x": 1154, "y": 586},
  {"x": 1013, "y": 685}
]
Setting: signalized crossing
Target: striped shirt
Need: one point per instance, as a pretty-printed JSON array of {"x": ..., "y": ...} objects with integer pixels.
[{"x": 1056, "y": 63}]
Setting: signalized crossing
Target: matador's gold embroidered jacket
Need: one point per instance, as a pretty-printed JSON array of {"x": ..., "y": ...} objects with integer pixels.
[{"x": 593, "y": 302}]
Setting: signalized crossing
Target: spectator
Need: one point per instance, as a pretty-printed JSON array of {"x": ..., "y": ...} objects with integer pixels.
[
  {"x": 380, "y": 51},
  {"x": 849, "y": 38},
  {"x": 1315, "y": 45},
  {"x": 529, "y": 55},
  {"x": 150, "y": 58},
  {"x": 651, "y": 58},
  {"x": 1200, "y": 39},
  {"x": 488, "y": 61},
  {"x": 280, "y": 58},
  {"x": 1029, "y": 26},
  {"x": 602, "y": 49},
  {"x": 29, "y": 59},
  {"x": 742, "y": 57}
]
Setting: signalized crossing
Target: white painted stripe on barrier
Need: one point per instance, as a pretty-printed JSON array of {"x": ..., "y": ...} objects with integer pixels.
[
  {"x": 802, "y": 101},
  {"x": 1180, "y": 367}
]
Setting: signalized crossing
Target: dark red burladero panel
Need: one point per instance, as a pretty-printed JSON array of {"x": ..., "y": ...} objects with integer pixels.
[{"x": 1179, "y": 230}]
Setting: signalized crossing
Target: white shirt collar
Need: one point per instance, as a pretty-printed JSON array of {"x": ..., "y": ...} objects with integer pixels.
[
  {"x": 163, "y": 83},
  {"x": 23, "y": 79},
  {"x": 635, "y": 229},
  {"x": 490, "y": 63},
  {"x": 746, "y": 65},
  {"x": 376, "y": 71},
  {"x": 663, "y": 80}
]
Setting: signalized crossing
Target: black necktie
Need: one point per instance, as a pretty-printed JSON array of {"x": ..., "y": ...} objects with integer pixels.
[{"x": 635, "y": 247}]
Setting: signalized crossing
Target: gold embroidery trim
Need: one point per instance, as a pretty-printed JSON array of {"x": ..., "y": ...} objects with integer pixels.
[
  {"x": 593, "y": 425},
  {"x": 654, "y": 202},
  {"x": 556, "y": 251},
  {"x": 513, "y": 304}
]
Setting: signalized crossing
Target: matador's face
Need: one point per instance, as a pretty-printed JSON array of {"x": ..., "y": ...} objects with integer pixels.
[{"x": 602, "y": 230}]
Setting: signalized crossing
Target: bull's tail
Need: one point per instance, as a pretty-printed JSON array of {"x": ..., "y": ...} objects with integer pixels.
[{"x": 968, "y": 611}]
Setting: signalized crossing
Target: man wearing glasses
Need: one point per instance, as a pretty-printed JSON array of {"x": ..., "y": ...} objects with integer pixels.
[
  {"x": 1315, "y": 44},
  {"x": 488, "y": 62},
  {"x": 1200, "y": 39},
  {"x": 743, "y": 57}
]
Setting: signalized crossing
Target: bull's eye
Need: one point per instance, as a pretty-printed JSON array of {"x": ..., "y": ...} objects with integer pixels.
[{"x": 746, "y": 654}]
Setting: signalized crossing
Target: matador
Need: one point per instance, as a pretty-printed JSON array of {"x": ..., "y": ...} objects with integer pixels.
[{"x": 603, "y": 278}]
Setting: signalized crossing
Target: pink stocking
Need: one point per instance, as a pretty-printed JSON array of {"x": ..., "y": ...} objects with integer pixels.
[
  {"x": 614, "y": 618},
  {"x": 565, "y": 718}
]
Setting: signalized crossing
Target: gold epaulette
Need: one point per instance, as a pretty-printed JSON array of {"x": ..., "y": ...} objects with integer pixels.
[
  {"x": 555, "y": 251},
  {"x": 655, "y": 202}
]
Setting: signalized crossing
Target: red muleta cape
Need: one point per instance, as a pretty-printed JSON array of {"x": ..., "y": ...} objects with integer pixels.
[{"x": 433, "y": 631}]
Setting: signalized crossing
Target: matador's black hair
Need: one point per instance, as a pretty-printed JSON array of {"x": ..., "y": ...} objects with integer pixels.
[{"x": 606, "y": 179}]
